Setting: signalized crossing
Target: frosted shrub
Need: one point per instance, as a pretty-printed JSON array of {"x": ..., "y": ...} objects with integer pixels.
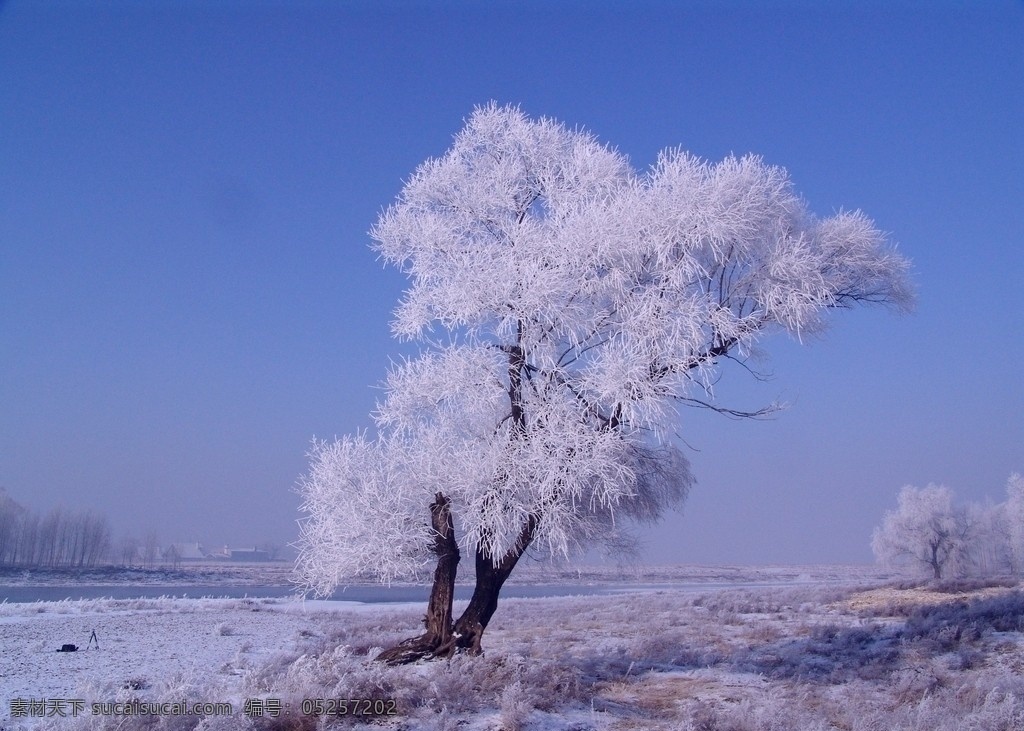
[
  {"x": 455, "y": 686},
  {"x": 940, "y": 712},
  {"x": 316, "y": 673},
  {"x": 965, "y": 658},
  {"x": 946, "y": 625},
  {"x": 770, "y": 714},
  {"x": 268, "y": 673},
  {"x": 993, "y": 685},
  {"x": 470, "y": 683},
  {"x": 913, "y": 684},
  {"x": 515, "y": 707},
  {"x": 667, "y": 649},
  {"x": 773, "y": 601},
  {"x": 367, "y": 680},
  {"x": 178, "y": 688},
  {"x": 969, "y": 584}
]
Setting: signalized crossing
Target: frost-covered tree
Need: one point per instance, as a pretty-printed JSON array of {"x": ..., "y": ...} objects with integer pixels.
[
  {"x": 926, "y": 530},
  {"x": 989, "y": 551},
  {"x": 580, "y": 304},
  {"x": 1014, "y": 512}
]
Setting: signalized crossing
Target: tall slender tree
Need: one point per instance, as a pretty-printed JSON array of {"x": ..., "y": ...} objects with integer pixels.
[
  {"x": 582, "y": 304},
  {"x": 11, "y": 516}
]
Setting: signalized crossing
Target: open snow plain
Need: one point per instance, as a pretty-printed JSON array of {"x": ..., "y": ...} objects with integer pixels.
[{"x": 798, "y": 655}]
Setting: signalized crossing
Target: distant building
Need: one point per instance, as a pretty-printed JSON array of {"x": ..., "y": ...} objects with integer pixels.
[
  {"x": 242, "y": 554},
  {"x": 187, "y": 551},
  {"x": 249, "y": 554}
]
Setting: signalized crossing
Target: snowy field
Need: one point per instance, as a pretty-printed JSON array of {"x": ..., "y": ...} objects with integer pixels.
[{"x": 805, "y": 656}]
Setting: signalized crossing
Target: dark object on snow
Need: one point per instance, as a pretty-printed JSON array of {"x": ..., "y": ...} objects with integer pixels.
[
  {"x": 68, "y": 648},
  {"x": 93, "y": 638}
]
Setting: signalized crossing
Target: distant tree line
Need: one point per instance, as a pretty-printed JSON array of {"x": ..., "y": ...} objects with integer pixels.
[
  {"x": 932, "y": 533},
  {"x": 64, "y": 538},
  {"x": 61, "y": 538},
  {"x": 131, "y": 552}
]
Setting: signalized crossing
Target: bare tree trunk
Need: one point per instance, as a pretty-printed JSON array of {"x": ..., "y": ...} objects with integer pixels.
[
  {"x": 438, "y": 620},
  {"x": 469, "y": 629},
  {"x": 936, "y": 564}
]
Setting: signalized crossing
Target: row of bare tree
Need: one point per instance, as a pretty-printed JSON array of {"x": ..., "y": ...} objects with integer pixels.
[
  {"x": 61, "y": 538},
  {"x": 131, "y": 552},
  {"x": 66, "y": 538}
]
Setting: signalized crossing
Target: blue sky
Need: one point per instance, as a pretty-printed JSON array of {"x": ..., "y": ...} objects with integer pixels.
[{"x": 187, "y": 295}]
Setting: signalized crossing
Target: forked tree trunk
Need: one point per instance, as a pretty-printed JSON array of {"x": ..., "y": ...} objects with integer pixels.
[
  {"x": 438, "y": 620},
  {"x": 469, "y": 629},
  {"x": 442, "y": 639}
]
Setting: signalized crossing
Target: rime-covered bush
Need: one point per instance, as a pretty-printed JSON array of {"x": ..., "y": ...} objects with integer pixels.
[
  {"x": 830, "y": 654},
  {"x": 968, "y": 619}
]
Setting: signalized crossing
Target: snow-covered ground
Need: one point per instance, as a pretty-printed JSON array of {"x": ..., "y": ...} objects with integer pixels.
[
  {"x": 142, "y": 644},
  {"x": 796, "y": 655}
]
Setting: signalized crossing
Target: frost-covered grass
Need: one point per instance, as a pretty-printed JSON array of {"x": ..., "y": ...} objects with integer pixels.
[
  {"x": 899, "y": 657},
  {"x": 209, "y": 573}
]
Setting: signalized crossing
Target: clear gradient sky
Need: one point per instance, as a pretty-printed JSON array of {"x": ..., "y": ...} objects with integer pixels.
[{"x": 187, "y": 295}]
